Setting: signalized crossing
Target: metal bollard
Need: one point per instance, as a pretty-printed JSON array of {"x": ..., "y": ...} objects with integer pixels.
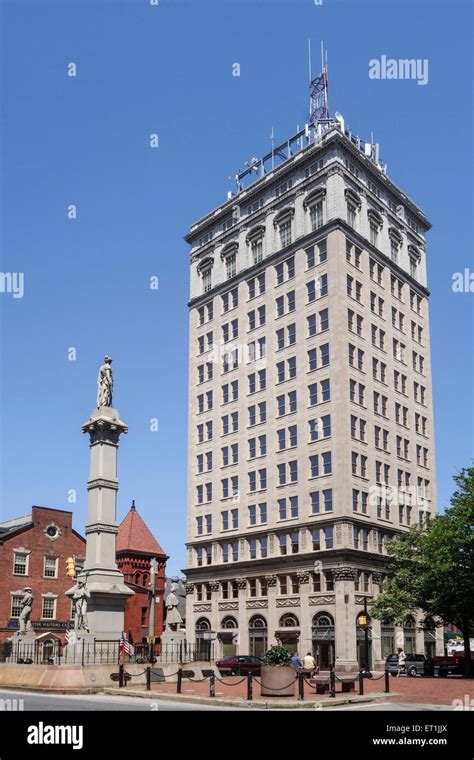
[
  {"x": 212, "y": 685},
  {"x": 121, "y": 675},
  {"x": 301, "y": 687},
  {"x": 148, "y": 679},
  {"x": 179, "y": 681},
  {"x": 361, "y": 683},
  {"x": 387, "y": 682},
  {"x": 332, "y": 682},
  {"x": 249, "y": 687}
]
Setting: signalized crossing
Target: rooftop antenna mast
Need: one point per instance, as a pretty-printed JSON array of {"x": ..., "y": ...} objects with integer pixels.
[{"x": 318, "y": 89}]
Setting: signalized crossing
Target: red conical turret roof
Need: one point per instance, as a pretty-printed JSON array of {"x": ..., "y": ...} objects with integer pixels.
[{"x": 134, "y": 535}]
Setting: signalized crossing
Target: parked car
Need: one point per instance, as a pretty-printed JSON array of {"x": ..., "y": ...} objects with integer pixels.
[
  {"x": 450, "y": 665},
  {"x": 239, "y": 665},
  {"x": 415, "y": 664}
]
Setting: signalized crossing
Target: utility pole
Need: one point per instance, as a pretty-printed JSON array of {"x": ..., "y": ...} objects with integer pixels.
[{"x": 151, "y": 617}]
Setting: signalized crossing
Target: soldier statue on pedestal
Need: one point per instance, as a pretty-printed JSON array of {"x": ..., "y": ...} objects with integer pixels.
[{"x": 26, "y": 607}]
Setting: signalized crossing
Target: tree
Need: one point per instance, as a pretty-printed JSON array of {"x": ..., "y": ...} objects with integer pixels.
[{"x": 431, "y": 568}]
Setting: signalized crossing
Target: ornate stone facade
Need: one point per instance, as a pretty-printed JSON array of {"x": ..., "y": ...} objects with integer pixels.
[{"x": 309, "y": 243}]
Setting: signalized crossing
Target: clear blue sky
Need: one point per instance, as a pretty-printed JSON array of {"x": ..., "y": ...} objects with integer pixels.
[{"x": 85, "y": 140}]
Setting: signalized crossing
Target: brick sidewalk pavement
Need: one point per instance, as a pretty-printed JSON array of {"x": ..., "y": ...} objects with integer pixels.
[
  {"x": 424, "y": 690},
  {"x": 418, "y": 690}
]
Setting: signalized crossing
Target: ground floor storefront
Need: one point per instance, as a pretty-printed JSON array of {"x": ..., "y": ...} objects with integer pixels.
[{"x": 332, "y": 626}]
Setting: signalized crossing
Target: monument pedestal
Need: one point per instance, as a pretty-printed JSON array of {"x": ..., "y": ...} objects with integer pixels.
[
  {"x": 173, "y": 644},
  {"x": 80, "y": 647},
  {"x": 24, "y": 646},
  {"x": 107, "y": 592}
]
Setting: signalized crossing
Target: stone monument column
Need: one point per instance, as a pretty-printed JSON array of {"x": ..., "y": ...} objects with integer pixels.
[{"x": 106, "y": 590}]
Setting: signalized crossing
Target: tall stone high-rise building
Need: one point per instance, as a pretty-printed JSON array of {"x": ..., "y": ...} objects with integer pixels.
[{"x": 310, "y": 408}]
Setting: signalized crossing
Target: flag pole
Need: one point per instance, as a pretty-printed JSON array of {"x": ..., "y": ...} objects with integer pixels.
[{"x": 123, "y": 662}]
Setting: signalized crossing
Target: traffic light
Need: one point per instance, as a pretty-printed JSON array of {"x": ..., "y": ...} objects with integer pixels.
[{"x": 70, "y": 567}]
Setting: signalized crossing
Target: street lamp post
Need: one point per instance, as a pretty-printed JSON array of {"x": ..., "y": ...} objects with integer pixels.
[
  {"x": 364, "y": 621},
  {"x": 151, "y": 617}
]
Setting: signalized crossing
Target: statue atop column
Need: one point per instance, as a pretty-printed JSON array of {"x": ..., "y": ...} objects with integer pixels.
[
  {"x": 79, "y": 599},
  {"x": 105, "y": 383},
  {"x": 173, "y": 618},
  {"x": 24, "y": 618}
]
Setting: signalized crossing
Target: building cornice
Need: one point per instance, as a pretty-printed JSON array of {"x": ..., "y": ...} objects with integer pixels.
[
  {"x": 306, "y": 155},
  {"x": 304, "y": 241}
]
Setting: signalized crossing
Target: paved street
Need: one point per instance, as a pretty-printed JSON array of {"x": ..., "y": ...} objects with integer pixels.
[
  {"x": 34, "y": 700},
  {"x": 394, "y": 707}
]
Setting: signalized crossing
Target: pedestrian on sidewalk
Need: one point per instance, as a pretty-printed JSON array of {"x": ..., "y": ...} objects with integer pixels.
[
  {"x": 309, "y": 664},
  {"x": 401, "y": 661},
  {"x": 296, "y": 662}
]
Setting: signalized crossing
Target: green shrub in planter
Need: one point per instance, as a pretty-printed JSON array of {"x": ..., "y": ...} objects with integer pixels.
[
  {"x": 277, "y": 657},
  {"x": 278, "y": 677}
]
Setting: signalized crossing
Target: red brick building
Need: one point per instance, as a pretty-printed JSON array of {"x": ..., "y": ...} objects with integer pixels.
[
  {"x": 136, "y": 547},
  {"x": 33, "y": 552}
]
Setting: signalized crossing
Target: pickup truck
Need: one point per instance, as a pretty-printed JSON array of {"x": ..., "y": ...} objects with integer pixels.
[{"x": 451, "y": 665}]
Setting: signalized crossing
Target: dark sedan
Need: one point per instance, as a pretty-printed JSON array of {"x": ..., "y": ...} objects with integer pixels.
[{"x": 239, "y": 665}]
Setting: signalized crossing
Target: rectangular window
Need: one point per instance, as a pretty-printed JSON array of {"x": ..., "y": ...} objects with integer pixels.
[
  {"x": 285, "y": 233},
  {"x": 50, "y": 567},
  {"x": 16, "y": 606},
  {"x": 20, "y": 564},
  {"x": 316, "y": 539},
  {"x": 328, "y": 538},
  {"x": 316, "y": 216},
  {"x": 257, "y": 251},
  {"x": 48, "y": 609},
  {"x": 206, "y": 281}
]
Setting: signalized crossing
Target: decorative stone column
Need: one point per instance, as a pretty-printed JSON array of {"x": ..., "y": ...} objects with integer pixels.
[
  {"x": 345, "y": 619},
  {"x": 107, "y": 592}
]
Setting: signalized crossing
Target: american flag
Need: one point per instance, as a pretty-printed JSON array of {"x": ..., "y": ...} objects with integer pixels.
[
  {"x": 125, "y": 646},
  {"x": 68, "y": 636}
]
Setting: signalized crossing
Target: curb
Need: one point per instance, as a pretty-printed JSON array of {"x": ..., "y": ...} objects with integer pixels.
[{"x": 253, "y": 704}]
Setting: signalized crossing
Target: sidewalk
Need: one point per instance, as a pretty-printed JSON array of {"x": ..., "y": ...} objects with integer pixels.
[{"x": 231, "y": 691}]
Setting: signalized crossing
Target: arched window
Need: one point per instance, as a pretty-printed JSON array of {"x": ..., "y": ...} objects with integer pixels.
[
  {"x": 323, "y": 639},
  {"x": 205, "y": 271},
  {"x": 396, "y": 241},
  {"x": 375, "y": 224},
  {"x": 203, "y": 624},
  {"x": 258, "y": 636},
  {"x": 387, "y": 635},
  {"x": 137, "y": 579},
  {"x": 409, "y": 634},
  {"x": 229, "y": 622},
  {"x": 289, "y": 621},
  {"x": 353, "y": 203},
  {"x": 429, "y": 637},
  {"x": 314, "y": 203},
  {"x": 229, "y": 256},
  {"x": 283, "y": 222},
  {"x": 145, "y": 579},
  {"x": 255, "y": 241},
  {"x": 323, "y": 619},
  {"x": 415, "y": 257},
  {"x": 257, "y": 622}
]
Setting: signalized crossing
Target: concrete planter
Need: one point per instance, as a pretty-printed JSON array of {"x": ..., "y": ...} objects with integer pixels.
[{"x": 278, "y": 681}]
